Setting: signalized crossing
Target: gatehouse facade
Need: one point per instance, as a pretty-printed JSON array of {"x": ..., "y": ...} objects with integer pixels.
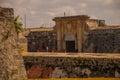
[
  {"x": 73, "y": 30},
  {"x": 75, "y": 34}
]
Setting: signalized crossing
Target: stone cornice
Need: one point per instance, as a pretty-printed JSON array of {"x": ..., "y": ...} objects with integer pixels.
[{"x": 78, "y": 17}]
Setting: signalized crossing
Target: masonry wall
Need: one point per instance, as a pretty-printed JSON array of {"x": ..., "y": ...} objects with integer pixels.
[
  {"x": 11, "y": 60},
  {"x": 71, "y": 67},
  {"x": 70, "y": 28},
  {"x": 102, "y": 41},
  {"x": 41, "y": 41}
]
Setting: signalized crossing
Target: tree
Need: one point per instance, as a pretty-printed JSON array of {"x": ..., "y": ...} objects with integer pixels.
[{"x": 18, "y": 26}]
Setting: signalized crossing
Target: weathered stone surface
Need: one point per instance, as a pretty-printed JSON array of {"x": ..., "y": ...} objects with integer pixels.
[
  {"x": 102, "y": 41},
  {"x": 10, "y": 67},
  {"x": 82, "y": 34},
  {"x": 73, "y": 67}
]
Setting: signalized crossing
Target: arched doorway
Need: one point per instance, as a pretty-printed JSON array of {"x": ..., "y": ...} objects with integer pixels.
[{"x": 70, "y": 43}]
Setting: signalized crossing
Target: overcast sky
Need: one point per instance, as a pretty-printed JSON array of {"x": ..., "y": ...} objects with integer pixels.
[{"x": 41, "y": 12}]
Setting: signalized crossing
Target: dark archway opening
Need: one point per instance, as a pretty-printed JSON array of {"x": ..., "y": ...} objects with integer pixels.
[{"x": 70, "y": 46}]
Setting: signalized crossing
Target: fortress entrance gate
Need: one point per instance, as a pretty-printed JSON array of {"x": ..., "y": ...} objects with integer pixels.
[{"x": 70, "y": 43}]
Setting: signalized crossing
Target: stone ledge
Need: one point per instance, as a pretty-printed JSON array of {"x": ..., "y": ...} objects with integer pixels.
[{"x": 84, "y": 55}]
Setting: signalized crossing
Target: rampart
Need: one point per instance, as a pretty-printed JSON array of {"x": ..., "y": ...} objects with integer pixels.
[{"x": 72, "y": 65}]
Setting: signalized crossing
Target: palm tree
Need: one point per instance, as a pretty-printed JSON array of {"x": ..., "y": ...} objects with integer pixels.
[{"x": 18, "y": 26}]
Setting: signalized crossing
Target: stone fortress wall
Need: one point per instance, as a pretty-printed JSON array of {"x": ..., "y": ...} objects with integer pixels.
[
  {"x": 89, "y": 35},
  {"x": 86, "y": 35},
  {"x": 12, "y": 65},
  {"x": 11, "y": 60},
  {"x": 102, "y": 41},
  {"x": 72, "y": 66}
]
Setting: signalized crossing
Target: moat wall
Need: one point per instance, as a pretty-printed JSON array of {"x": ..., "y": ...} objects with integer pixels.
[{"x": 71, "y": 67}]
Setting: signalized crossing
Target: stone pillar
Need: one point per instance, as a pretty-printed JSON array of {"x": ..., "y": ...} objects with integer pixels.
[
  {"x": 79, "y": 35},
  {"x": 58, "y": 29},
  {"x": 11, "y": 61},
  {"x": 81, "y": 25},
  {"x": 63, "y": 35}
]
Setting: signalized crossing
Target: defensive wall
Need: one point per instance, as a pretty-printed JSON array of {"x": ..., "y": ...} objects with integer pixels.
[
  {"x": 11, "y": 61},
  {"x": 72, "y": 65}
]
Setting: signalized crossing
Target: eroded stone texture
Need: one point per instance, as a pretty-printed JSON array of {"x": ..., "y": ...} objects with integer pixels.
[
  {"x": 11, "y": 61},
  {"x": 72, "y": 67},
  {"x": 81, "y": 34},
  {"x": 103, "y": 41}
]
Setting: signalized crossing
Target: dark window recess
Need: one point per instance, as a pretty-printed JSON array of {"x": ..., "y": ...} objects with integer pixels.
[{"x": 40, "y": 42}]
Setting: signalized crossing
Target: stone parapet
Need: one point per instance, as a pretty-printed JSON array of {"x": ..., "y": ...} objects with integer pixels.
[{"x": 72, "y": 66}]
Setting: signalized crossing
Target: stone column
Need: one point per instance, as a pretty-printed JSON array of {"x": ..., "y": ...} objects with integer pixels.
[
  {"x": 63, "y": 35},
  {"x": 79, "y": 35},
  {"x": 81, "y": 25},
  {"x": 58, "y": 27}
]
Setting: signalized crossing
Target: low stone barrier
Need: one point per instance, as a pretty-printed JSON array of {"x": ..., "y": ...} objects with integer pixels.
[{"x": 71, "y": 66}]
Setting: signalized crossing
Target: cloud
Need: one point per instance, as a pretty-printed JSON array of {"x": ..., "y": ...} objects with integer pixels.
[
  {"x": 83, "y": 5},
  {"x": 68, "y": 10},
  {"x": 60, "y": 11},
  {"x": 51, "y": 13},
  {"x": 5, "y": 4},
  {"x": 108, "y": 1},
  {"x": 93, "y": 17},
  {"x": 20, "y": 2},
  {"x": 43, "y": 11},
  {"x": 32, "y": 12}
]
